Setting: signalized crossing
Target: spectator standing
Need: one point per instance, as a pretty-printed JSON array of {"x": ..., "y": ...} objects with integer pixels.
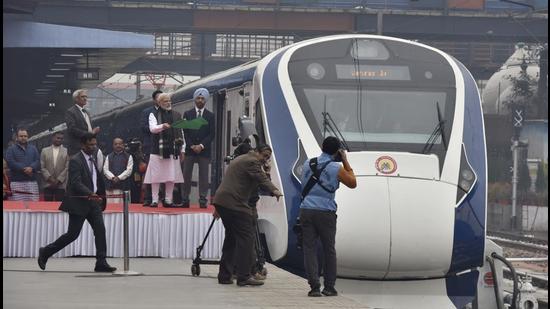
[
  {"x": 24, "y": 162},
  {"x": 198, "y": 147},
  {"x": 78, "y": 121},
  {"x": 164, "y": 166},
  {"x": 117, "y": 169},
  {"x": 54, "y": 165},
  {"x": 146, "y": 137},
  {"x": 6, "y": 181}
]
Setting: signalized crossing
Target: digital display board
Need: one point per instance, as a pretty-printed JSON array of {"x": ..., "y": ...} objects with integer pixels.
[
  {"x": 373, "y": 72},
  {"x": 87, "y": 74}
]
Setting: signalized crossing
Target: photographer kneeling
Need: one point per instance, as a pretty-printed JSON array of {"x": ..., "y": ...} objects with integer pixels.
[{"x": 320, "y": 180}]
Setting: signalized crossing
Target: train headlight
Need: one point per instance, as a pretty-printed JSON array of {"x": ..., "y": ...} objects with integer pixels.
[
  {"x": 466, "y": 179},
  {"x": 369, "y": 50},
  {"x": 467, "y": 174},
  {"x": 298, "y": 168},
  {"x": 315, "y": 71}
]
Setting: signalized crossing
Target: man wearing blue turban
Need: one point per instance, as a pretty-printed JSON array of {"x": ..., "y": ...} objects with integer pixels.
[{"x": 198, "y": 147}]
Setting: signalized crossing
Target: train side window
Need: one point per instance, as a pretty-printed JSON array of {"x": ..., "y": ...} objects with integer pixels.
[{"x": 260, "y": 122}]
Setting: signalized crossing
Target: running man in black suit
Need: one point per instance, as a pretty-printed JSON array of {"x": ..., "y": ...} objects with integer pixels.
[{"x": 85, "y": 200}]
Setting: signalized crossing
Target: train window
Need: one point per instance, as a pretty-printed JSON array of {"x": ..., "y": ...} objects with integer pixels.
[
  {"x": 378, "y": 116},
  {"x": 260, "y": 123}
]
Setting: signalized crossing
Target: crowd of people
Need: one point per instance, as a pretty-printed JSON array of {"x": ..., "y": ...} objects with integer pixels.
[{"x": 85, "y": 180}]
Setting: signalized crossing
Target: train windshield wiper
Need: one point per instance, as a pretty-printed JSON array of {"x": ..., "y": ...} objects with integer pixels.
[
  {"x": 439, "y": 130},
  {"x": 328, "y": 123}
]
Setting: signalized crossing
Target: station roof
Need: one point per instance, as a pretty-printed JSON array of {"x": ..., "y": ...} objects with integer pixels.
[{"x": 44, "y": 63}]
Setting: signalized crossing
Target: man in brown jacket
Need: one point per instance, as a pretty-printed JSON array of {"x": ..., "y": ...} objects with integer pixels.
[{"x": 243, "y": 176}]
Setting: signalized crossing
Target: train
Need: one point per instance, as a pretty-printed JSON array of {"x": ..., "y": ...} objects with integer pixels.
[{"x": 411, "y": 118}]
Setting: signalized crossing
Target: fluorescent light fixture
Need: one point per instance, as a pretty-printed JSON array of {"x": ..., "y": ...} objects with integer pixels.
[
  {"x": 59, "y": 69},
  {"x": 54, "y": 75},
  {"x": 72, "y": 55},
  {"x": 42, "y": 89},
  {"x": 64, "y": 63},
  {"x": 49, "y": 82}
]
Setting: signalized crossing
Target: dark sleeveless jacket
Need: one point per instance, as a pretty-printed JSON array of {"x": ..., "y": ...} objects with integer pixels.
[
  {"x": 163, "y": 143},
  {"x": 117, "y": 165}
]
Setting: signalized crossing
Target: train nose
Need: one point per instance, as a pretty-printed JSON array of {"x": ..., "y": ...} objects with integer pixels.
[{"x": 393, "y": 227}]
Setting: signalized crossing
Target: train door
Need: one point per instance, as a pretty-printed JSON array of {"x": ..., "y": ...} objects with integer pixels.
[{"x": 230, "y": 104}]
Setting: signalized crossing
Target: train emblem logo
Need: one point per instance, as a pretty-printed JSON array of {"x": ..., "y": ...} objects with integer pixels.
[{"x": 386, "y": 165}]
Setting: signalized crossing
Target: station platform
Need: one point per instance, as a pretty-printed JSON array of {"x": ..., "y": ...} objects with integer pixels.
[
  {"x": 69, "y": 283},
  {"x": 153, "y": 232}
]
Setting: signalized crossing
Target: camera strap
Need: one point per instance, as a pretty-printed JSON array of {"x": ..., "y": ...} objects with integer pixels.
[{"x": 315, "y": 177}]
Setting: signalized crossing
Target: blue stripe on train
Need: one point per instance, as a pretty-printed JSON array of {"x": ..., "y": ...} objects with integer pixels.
[
  {"x": 283, "y": 136},
  {"x": 469, "y": 232}
]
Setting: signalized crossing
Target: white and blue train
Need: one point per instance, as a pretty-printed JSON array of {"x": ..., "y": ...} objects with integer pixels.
[{"x": 411, "y": 118}]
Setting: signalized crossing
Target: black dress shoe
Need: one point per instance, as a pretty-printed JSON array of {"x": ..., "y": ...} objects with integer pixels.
[
  {"x": 168, "y": 205},
  {"x": 225, "y": 281},
  {"x": 103, "y": 267},
  {"x": 154, "y": 205},
  {"x": 329, "y": 292},
  {"x": 314, "y": 293},
  {"x": 250, "y": 281},
  {"x": 42, "y": 258},
  {"x": 146, "y": 204},
  {"x": 203, "y": 205}
]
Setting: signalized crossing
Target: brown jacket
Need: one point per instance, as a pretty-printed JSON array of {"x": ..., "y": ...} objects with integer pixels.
[{"x": 242, "y": 177}]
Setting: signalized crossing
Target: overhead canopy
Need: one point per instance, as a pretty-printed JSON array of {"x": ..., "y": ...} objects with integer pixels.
[{"x": 44, "y": 63}]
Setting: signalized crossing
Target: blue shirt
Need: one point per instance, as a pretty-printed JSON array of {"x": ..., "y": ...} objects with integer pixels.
[
  {"x": 18, "y": 158},
  {"x": 318, "y": 198}
]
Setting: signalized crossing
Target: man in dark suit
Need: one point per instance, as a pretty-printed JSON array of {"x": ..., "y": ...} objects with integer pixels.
[
  {"x": 198, "y": 147},
  {"x": 146, "y": 137},
  {"x": 85, "y": 200},
  {"x": 78, "y": 121},
  {"x": 241, "y": 180}
]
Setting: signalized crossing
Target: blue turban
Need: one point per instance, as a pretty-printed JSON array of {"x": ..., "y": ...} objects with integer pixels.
[{"x": 203, "y": 92}]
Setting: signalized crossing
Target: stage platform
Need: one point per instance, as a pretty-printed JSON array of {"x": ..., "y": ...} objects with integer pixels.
[{"x": 154, "y": 232}]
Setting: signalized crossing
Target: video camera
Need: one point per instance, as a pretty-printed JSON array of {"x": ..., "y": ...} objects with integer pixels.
[{"x": 133, "y": 146}]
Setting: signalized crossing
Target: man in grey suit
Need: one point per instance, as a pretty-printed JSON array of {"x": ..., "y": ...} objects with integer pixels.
[
  {"x": 85, "y": 201},
  {"x": 78, "y": 121},
  {"x": 54, "y": 165},
  {"x": 241, "y": 180}
]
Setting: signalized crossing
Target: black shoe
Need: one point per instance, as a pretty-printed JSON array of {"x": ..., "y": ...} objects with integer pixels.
[
  {"x": 329, "y": 292},
  {"x": 103, "y": 267},
  {"x": 203, "y": 205},
  {"x": 154, "y": 205},
  {"x": 225, "y": 281},
  {"x": 168, "y": 205},
  {"x": 315, "y": 292},
  {"x": 250, "y": 281},
  {"x": 42, "y": 258},
  {"x": 146, "y": 204}
]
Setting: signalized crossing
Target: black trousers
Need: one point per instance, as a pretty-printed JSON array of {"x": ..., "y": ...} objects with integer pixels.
[
  {"x": 51, "y": 195},
  {"x": 188, "y": 165},
  {"x": 95, "y": 219},
  {"x": 321, "y": 225},
  {"x": 237, "y": 245}
]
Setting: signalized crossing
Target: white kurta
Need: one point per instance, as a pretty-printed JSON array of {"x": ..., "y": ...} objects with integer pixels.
[{"x": 159, "y": 169}]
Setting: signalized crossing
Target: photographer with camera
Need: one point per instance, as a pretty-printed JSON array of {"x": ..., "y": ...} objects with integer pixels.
[{"x": 320, "y": 180}]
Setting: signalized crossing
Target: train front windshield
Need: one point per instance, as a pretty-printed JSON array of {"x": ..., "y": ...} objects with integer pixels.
[{"x": 377, "y": 95}]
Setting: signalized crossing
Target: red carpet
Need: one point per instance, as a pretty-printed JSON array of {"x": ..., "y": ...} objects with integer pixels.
[{"x": 53, "y": 207}]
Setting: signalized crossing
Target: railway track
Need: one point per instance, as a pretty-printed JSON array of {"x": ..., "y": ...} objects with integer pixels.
[{"x": 519, "y": 242}]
